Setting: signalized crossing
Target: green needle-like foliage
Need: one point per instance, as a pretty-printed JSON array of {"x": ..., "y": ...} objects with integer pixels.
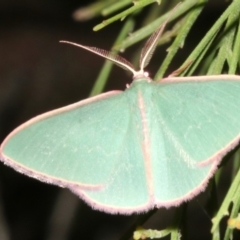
[{"x": 216, "y": 53}]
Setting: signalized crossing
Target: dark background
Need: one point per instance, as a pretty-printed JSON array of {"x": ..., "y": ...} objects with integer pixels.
[{"x": 38, "y": 74}]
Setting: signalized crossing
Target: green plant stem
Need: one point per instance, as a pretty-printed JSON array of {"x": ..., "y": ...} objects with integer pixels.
[
  {"x": 150, "y": 233},
  {"x": 226, "y": 49},
  {"x": 223, "y": 211},
  {"x": 115, "y": 7},
  {"x": 91, "y": 11},
  {"x": 196, "y": 62},
  {"x": 235, "y": 6},
  {"x": 139, "y": 221},
  {"x": 179, "y": 40},
  {"x": 138, "y": 5},
  {"x": 233, "y": 62},
  {"x": 236, "y": 162},
  {"x": 150, "y": 28},
  {"x": 234, "y": 214}
]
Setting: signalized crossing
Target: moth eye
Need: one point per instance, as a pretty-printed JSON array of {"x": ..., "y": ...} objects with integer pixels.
[{"x": 146, "y": 74}]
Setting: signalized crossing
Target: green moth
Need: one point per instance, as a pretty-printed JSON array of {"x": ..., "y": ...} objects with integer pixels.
[{"x": 156, "y": 144}]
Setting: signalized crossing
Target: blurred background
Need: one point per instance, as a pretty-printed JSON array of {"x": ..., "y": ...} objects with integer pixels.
[{"x": 38, "y": 74}]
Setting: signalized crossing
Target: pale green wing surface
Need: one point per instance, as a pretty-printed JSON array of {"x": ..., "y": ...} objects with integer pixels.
[
  {"x": 194, "y": 123},
  {"x": 91, "y": 145},
  {"x": 156, "y": 144}
]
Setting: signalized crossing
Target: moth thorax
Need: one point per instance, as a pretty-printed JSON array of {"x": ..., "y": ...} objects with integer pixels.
[{"x": 140, "y": 74}]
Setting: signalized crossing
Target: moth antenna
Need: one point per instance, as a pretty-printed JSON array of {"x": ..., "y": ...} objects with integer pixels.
[
  {"x": 118, "y": 60},
  {"x": 150, "y": 45}
]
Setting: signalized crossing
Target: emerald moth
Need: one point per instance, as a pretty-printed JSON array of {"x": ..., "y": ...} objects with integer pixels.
[{"x": 156, "y": 144}]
